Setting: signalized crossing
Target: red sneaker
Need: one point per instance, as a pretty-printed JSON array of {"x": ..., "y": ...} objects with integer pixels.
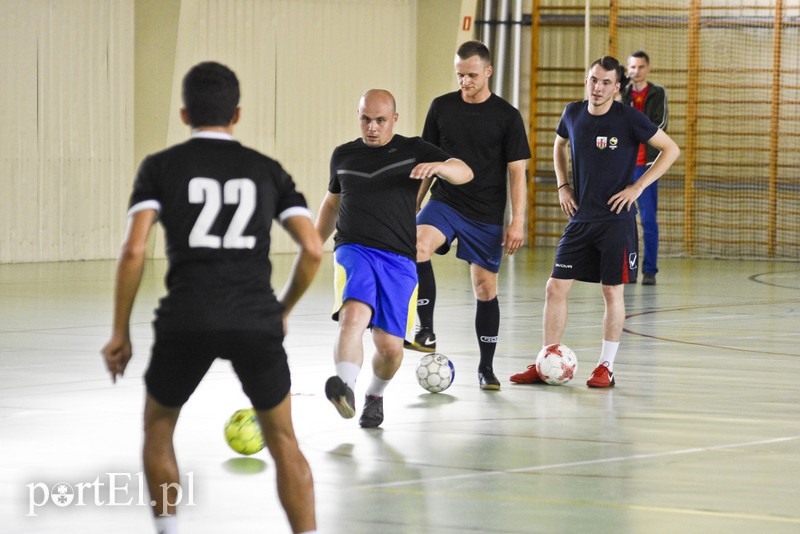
[
  {"x": 531, "y": 376},
  {"x": 601, "y": 377}
]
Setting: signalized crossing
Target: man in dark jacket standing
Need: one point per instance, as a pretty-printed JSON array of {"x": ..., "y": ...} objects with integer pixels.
[{"x": 650, "y": 99}]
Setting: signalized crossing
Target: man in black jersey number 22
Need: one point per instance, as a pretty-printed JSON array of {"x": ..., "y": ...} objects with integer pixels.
[
  {"x": 216, "y": 200},
  {"x": 371, "y": 203}
]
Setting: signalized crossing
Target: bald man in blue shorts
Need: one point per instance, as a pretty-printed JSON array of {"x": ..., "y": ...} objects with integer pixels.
[{"x": 371, "y": 203}]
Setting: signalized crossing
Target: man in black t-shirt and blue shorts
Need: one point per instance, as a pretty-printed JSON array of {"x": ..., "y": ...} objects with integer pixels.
[
  {"x": 599, "y": 244},
  {"x": 371, "y": 203},
  {"x": 488, "y": 134},
  {"x": 216, "y": 200}
]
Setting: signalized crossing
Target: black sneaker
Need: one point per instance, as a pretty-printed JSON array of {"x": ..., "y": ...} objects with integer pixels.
[
  {"x": 649, "y": 279},
  {"x": 424, "y": 341},
  {"x": 487, "y": 380},
  {"x": 372, "y": 414},
  {"x": 341, "y": 396}
]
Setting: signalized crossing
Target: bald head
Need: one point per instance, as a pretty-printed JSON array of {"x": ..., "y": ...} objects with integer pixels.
[
  {"x": 377, "y": 97},
  {"x": 377, "y": 115}
]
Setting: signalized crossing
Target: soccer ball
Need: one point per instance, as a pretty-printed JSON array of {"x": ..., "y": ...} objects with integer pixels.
[
  {"x": 435, "y": 372},
  {"x": 243, "y": 433},
  {"x": 556, "y": 364}
]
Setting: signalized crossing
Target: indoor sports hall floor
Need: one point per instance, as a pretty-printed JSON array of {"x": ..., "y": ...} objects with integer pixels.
[{"x": 701, "y": 434}]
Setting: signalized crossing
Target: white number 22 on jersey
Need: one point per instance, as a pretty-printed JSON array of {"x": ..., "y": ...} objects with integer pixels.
[{"x": 209, "y": 192}]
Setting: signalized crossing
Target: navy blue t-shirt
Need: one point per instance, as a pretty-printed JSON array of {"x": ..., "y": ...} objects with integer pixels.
[{"x": 603, "y": 150}]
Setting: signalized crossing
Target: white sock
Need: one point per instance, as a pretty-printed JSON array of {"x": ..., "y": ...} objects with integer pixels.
[
  {"x": 166, "y": 524},
  {"x": 377, "y": 386},
  {"x": 608, "y": 353},
  {"x": 348, "y": 372}
]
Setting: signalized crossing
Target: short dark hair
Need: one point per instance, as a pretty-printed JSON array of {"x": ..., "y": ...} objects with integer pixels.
[
  {"x": 610, "y": 63},
  {"x": 210, "y": 94},
  {"x": 475, "y": 48},
  {"x": 641, "y": 54}
]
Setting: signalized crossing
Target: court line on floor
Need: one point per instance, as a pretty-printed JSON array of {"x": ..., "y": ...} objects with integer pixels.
[
  {"x": 757, "y": 278},
  {"x": 581, "y": 463},
  {"x": 572, "y": 503},
  {"x": 696, "y": 343}
]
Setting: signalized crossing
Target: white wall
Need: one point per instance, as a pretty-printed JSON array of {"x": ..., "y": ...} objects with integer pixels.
[
  {"x": 67, "y": 95},
  {"x": 302, "y": 65},
  {"x": 66, "y": 71}
]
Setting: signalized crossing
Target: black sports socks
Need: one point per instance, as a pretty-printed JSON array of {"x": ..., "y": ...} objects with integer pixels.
[
  {"x": 426, "y": 296},
  {"x": 487, "y": 325}
]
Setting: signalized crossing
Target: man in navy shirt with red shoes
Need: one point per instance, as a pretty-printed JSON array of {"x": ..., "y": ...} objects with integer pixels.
[{"x": 600, "y": 241}]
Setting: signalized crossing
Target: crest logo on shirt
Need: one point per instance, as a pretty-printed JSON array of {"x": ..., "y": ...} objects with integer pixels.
[
  {"x": 601, "y": 142},
  {"x": 612, "y": 143}
]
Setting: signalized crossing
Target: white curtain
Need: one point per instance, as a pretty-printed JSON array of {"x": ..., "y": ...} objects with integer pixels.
[
  {"x": 66, "y": 93},
  {"x": 302, "y": 65}
]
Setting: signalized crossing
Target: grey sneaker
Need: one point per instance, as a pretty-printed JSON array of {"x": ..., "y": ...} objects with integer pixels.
[
  {"x": 372, "y": 414},
  {"x": 341, "y": 396},
  {"x": 649, "y": 279}
]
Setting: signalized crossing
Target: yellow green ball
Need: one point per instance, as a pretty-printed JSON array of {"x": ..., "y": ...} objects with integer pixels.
[{"x": 243, "y": 433}]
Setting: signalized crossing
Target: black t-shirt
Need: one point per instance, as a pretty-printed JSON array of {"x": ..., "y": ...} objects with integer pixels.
[
  {"x": 604, "y": 150},
  {"x": 216, "y": 201},
  {"x": 378, "y": 199},
  {"x": 487, "y": 137}
]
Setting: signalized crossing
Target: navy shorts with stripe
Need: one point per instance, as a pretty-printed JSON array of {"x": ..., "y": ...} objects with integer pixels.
[
  {"x": 602, "y": 251},
  {"x": 478, "y": 243},
  {"x": 385, "y": 281},
  {"x": 180, "y": 360}
]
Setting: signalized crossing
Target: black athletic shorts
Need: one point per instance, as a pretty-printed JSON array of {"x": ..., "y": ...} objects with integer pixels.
[
  {"x": 180, "y": 359},
  {"x": 602, "y": 251}
]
